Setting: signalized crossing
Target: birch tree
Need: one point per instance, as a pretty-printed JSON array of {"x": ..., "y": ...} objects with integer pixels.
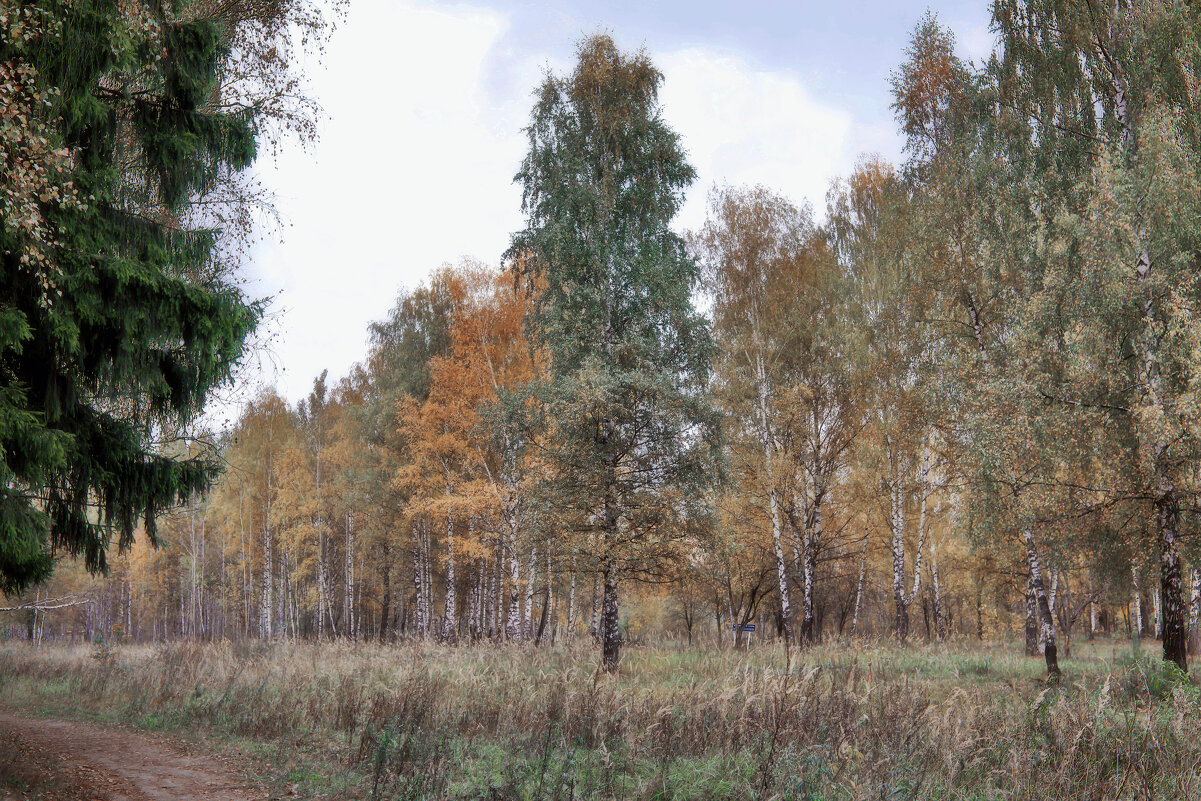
[
  {"x": 1098, "y": 101},
  {"x": 787, "y": 370},
  {"x": 631, "y": 437}
]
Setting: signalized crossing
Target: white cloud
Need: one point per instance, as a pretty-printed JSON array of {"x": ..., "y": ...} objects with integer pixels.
[
  {"x": 414, "y": 168},
  {"x": 973, "y": 41},
  {"x": 743, "y": 125},
  {"x": 425, "y": 107}
]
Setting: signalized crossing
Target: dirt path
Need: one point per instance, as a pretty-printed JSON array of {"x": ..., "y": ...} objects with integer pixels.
[{"x": 51, "y": 760}]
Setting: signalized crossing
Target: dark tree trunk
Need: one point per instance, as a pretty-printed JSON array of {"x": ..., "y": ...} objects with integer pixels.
[
  {"x": 1175, "y": 634},
  {"x": 1031, "y": 614},
  {"x": 386, "y": 603},
  {"x": 902, "y": 620},
  {"x": 542, "y": 617},
  {"x": 610, "y": 633},
  {"x": 717, "y": 617},
  {"x": 979, "y": 612}
]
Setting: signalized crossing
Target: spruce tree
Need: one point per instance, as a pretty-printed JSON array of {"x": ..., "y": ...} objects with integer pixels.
[
  {"x": 116, "y": 325},
  {"x": 631, "y": 439}
]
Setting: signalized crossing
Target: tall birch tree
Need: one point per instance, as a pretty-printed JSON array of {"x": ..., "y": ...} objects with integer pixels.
[
  {"x": 631, "y": 437},
  {"x": 1098, "y": 102}
]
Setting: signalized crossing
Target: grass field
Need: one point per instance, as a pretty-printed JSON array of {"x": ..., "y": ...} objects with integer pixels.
[{"x": 839, "y": 721}]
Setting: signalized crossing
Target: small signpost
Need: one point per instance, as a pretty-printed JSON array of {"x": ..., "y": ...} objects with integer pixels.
[{"x": 745, "y": 628}]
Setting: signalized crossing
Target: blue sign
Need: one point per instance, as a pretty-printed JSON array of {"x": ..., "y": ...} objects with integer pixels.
[{"x": 746, "y": 627}]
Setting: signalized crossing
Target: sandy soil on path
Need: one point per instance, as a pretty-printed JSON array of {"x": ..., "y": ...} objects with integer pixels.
[{"x": 49, "y": 760}]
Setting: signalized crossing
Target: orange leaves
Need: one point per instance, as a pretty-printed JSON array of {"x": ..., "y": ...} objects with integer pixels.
[
  {"x": 929, "y": 87},
  {"x": 452, "y": 464}
]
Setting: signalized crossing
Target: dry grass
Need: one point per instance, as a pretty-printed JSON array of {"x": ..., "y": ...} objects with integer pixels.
[{"x": 839, "y": 722}]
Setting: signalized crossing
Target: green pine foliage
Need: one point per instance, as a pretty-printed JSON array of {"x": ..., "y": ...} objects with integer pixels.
[{"x": 134, "y": 328}]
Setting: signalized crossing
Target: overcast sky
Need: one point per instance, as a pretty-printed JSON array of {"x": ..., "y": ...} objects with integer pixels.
[{"x": 425, "y": 102}]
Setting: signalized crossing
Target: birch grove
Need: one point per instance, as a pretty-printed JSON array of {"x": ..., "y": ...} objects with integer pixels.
[{"x": 957, "y": 403}]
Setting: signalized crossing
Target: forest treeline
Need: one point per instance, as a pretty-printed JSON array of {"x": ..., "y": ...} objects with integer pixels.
[{"x": 961, "y": 395}]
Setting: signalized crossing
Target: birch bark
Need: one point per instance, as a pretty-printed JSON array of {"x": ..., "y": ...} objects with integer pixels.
[{"x": 1046, "y": 622}]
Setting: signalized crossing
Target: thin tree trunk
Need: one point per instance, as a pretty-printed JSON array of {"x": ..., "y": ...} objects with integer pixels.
[
  {"x": 247, "y": 575},
  {"x": 427, "y": 570},
  {"x": 1194, "y": 610},
  {"x": 569, "y": 632},
  {"x": 527, "y": 610},
  {"x": 475, "y": 601},
  {"x": 552, "y": 599},
  {"x": 811, "y": 543},
  {"x": 421, "y": 611},
  {"x": 386, "y": 580},
  {"x": 859, "y": 590},
  {"x": 717, "y": 617},
  {"x": 542, "y": 618},
  {"x": 513, "y": 628},
  {"x": 898, "y": 554},
  {"x": 921, "y": 546},
  {"x": 610, "y": 633},
  {"x": 940, "y": 622},
  {"x": 594, "y": 626},
  {"x": 1138, "y": 602},
  {"x": 348, "y": 590},
  {"x": 265, "y": 623},
  {"x": 1175, "y": 640},
  {"x": 485, "y": 626},
  {"x": 1051, "y": 599},
  {"x": 322, "y": 589},
  {"x": 979, "y": 610},
  {"x": 1047, "y": 623},
  {"x": 450, "y": 596},
  {"x": 1032, "y": 635},
  {"x": 773, "y": 503},
  {"x": 1092, "y": 616},
  {"x": 497, "y": 589},
  {"x": 1157, "y": 613}
]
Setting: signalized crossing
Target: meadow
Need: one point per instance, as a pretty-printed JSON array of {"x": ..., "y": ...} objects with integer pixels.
[{"x": 837, "y": 721}]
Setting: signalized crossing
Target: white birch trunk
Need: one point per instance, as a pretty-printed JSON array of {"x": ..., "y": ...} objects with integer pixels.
[
  {"x": 940, "y": 627},
  {"x": 421, "y": 610},
  {"x": 859, "y": 592},
  {"x": 513, "y": 628},
  {"x": 265, "y": 623},
  {"x": 450, "y": 617},
  {"x": 569, "y": 632},
  {"x": 1047, "y": 623},
  {"x": 594, "y": 627},
  {"x": 527, "y": 609},
  {"x": 897, "y": 517},
  {"x": 348, "y": 588},
  {"x": 1051, "y": 599},
  {"x": 1194, "y": 610},
  {"x": 496, "y": 593},
  {"x": 1137, "y": 597},
  {"x": 810, "y": 542},
  {"x": 773, "y": 501},
  {"x": 427, "y": 583},
  {"x": 1158, "y": 613}
]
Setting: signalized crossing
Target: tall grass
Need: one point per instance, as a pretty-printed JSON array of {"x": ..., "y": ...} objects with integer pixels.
[{"x": 834, "y": 722}]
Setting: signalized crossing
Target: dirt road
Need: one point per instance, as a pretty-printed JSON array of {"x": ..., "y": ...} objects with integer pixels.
[{"x": 55, "y": 760}]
